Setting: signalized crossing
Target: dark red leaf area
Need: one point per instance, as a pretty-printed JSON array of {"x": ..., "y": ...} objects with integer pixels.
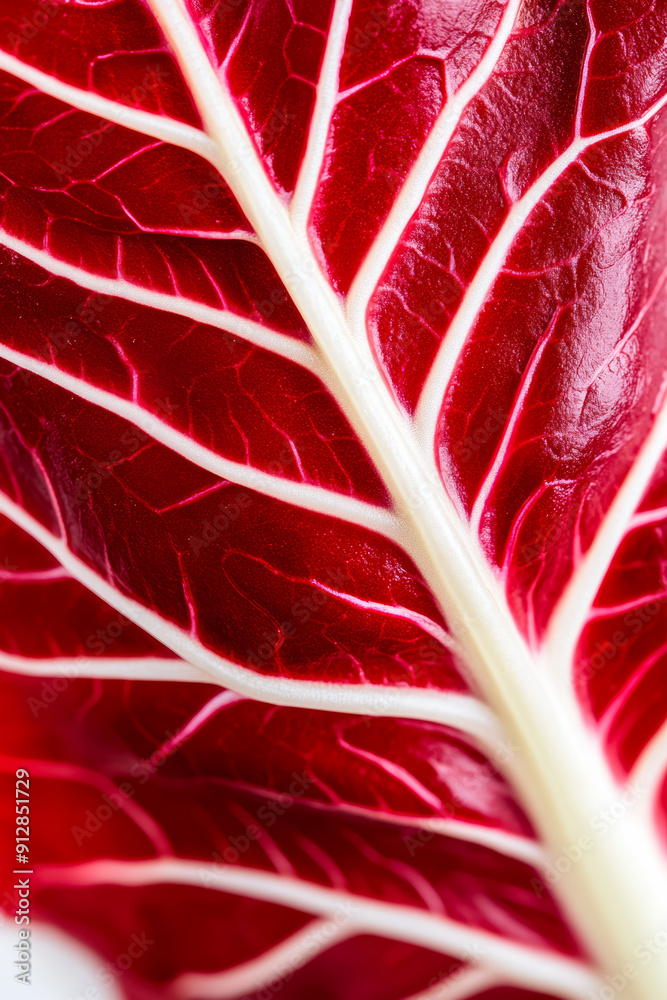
[
  {"x": 121, "y": 205},
  {"x": 274, "y": 587},
  {"x": 22, "y": 557},
  {"x": 365, "y": 968},
  {"x": 215, "y": 931},
  {"x": 245, "y": 403},
  {"x": 628, "y": 65},
  {"x": 64, "y": 801},
  {"x": 621, "y": 661},
  {"x": 521, "y": 119},
  {"x": 65, "y": 619},
  {"x": 349, "y": 760},
  {"x": 93, "y": 795},
  {"x": 400, "y": 64},
  {"x": 389, "y": 767},
  {"x": 94, "y": 46},
  {"x": 509, "y": 993},
  {"x": 224, "y": 931},
  {"x": 84, "y": 817},
  {"x": 270, "y": 52},
  {"x": 82, "y": 168},
  {"x": 577, "y": 323},
  {"x": 375, "y": 137}
]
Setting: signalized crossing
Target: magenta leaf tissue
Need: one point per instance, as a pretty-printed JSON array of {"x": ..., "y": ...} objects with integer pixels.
[{"x": 333, "y": 499}]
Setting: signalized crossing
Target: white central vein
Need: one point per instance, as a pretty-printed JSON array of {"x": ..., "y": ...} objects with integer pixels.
[
  {"x": 519, "y": 964},
  {"x": 325, "y": 102},
  {"x": 414, "y": 188},
  {"x": 560, "y": 772}
]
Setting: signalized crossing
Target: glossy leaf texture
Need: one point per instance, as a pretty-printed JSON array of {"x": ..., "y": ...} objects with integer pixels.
[{"x": 332, "y": 492}]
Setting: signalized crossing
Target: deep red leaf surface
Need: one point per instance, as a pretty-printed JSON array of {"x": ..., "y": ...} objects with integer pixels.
[{"x": 260, "y": 387}]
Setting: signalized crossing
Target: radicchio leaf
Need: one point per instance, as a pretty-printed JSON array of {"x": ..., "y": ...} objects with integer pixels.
[{"x": 332, "y": 486}]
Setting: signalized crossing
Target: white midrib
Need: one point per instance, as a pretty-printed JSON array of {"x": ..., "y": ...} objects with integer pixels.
[{"x": 617, "y": 895}]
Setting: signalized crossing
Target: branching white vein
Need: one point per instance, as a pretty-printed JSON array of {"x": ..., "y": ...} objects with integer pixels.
[
  {"x": 269, "y": 968},
  {"x": 460, "y": 985},
  {"x": 416, "y": 183},
  {"x": 130, "y": 668},
  {"x": 447, "y": 708},
  {"x": 325, "y": 102},
  {"x": 158, "y": 126},
  {"x": 223, "y": 319},
  {"x": 451, "y": 347},
  {"x": 531, "y": 968},
  {"x": 610, "y": 902},
  {"x": 574, "y": 607},
  {"x": 304, "y": 495}
]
